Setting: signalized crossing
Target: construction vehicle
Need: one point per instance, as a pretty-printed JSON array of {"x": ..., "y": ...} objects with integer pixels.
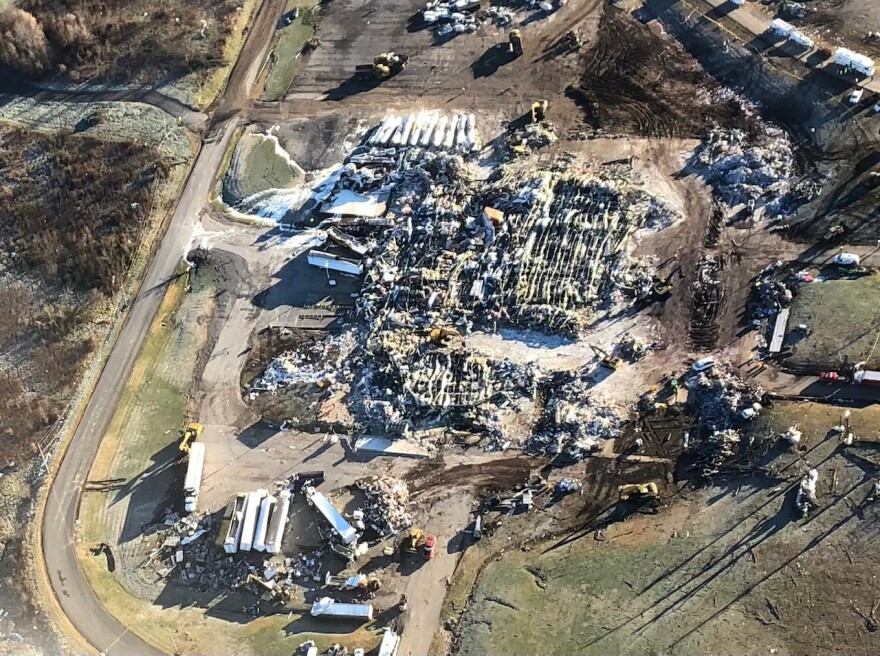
[
  {"x": 607, "y": 360},
  {"x": 539, "y": 110},
  {"x": 190, "y": 435},
  {"x": 516, "y": 46},
  {"x": 571, "y": 41},
  {"x": 634, "y": 491},
  {"x": 416, "y": 541},
  {"x": 412, "y": 541},
  {"x": 384, "y": 66}
]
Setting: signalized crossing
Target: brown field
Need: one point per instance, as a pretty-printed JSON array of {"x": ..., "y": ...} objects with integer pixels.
[
  {"x": 144, "y": 41},
  {"x": 67, "y": 242}
]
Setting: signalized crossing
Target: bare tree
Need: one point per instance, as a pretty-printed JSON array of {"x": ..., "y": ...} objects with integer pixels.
[{"x": 23, "y": 44}]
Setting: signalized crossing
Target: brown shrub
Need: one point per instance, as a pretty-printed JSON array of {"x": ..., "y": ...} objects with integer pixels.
[{"x": 23, "y": 44}]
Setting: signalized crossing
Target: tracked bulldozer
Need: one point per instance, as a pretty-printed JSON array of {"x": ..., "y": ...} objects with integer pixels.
[{"x": 384, "y": 66}]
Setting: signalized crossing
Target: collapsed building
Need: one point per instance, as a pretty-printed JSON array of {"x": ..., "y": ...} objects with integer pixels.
[
  {"x": 447, "y": 247},
  {"x": 723, "y": 403}
]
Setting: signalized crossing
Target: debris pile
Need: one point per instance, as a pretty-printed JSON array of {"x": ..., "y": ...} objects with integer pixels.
[
  {"x": 386, "y": 507},
  {"x": 448, "y": 17},
  {"x": 806, "y": 499},
  {"x": 723, "y": 402},
  {"x": 707, "y": 293},
  {"x": 317, "y": 363},
  {"x": 773, "y": 291},
  {"x": 632, "y": 348},
  {"x": 741, "y": 167},
  {"x": 458, "y": 248},
  {"x": 576, "y": 422},
  {"x": 532, "y": 137}
]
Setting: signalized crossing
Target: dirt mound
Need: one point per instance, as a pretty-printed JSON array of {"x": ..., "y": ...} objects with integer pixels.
[{"x": 636, "y": 82}]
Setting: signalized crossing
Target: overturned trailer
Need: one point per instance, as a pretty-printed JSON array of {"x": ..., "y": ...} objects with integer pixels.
[
  {"x": 329, "y": 261},
  {"x": 249, "y": 523},
  {"x": 327, "y": 607},
  {"x": 233, "y": 521},
  {"x": 278, "y": 522},
  {"x": 346, "y": 531}
]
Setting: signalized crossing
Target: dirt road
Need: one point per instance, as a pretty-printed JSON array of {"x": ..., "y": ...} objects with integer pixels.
[
  {"x": 71, "y": 588},
  {"x": 193, "y": 120}
]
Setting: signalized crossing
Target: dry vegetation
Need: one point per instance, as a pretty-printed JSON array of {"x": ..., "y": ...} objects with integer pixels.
[
  {"x": 71, "y": 216},
  {"x": 139, "y": 41}
]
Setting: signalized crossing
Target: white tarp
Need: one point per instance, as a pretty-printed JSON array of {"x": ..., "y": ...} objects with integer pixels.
[{"x": 349, "y": 203}]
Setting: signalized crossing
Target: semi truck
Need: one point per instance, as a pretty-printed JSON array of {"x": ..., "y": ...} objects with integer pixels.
[
  {"x": 193, "y": 481},
  {"x": 867, "y": 377}
]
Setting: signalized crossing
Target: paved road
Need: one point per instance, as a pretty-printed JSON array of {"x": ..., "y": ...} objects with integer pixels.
[
  {"x": 76, "y": 597},
  {"x": 78, "y": 601}
]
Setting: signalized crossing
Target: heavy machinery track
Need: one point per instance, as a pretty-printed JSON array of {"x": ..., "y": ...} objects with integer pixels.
[{"x": 636, "y": 82}]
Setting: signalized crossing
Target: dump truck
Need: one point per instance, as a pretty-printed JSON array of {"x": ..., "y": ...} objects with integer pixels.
[
  {"x": 193, "y": 481},
  {"x": 384, "y": 66},
  {"x": 634, "y": 491},
  {"x": 192, "y": 433}
]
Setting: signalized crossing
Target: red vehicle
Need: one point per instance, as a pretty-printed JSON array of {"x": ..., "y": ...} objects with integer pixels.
[
  {"x": 860, "y": 377},
  {"x": 430, "y": 544}
]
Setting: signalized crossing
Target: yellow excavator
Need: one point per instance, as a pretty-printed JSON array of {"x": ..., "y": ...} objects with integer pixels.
[
  {"x": 607, "y": 360},
  {"x": 638, "y": 491},
  {"x": 190, "y": 435},
  {"x": 539, "y": 110}
]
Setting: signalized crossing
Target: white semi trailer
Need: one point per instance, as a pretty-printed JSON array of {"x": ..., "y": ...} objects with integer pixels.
[{"x": 193, "y": 481}]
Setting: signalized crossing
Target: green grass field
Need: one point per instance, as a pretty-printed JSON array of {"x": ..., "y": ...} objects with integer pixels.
[{"x": 287, "y": 44}]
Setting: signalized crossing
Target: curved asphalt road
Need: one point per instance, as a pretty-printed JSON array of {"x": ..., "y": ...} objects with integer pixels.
[
  {"x": 78, "y": 601},
  {"x": 72, "y": 590}
]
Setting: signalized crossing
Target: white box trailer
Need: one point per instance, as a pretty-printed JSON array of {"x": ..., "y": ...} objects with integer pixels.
[
  {"x": 390, "y": 643},
  {"x": 278, "y": 522},
  {"x": 802, "y": 40},
  {"x": 854, "y": 61},
  {"x": 236, "y": 517},
  {"x": 249, "y": 523},
  {"x": 327, "y": 607},
  {"x": 266, "y": 508},
  {"x": 193, "y": 481},
  {"x": 780, "y": 27},
  {"x": 329, "y": 261},
  {"x": 334, "y": 517}
]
